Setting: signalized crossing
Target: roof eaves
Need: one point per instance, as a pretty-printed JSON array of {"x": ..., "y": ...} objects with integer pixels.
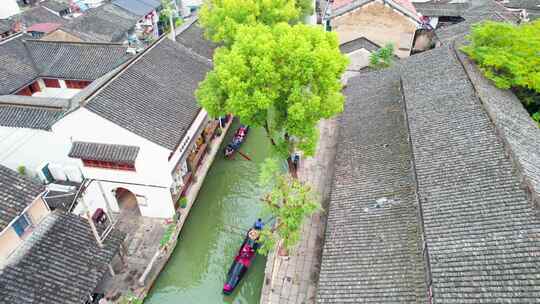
[{"x": 359, "y": 3}]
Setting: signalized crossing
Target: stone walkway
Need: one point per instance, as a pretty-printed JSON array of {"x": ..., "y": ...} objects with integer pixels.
[{"x": 294, "y": 279}]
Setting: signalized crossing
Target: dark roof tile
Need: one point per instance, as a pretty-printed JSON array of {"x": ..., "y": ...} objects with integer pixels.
[
  {"x": 60, "y": 262},
  {"x": 449, "y": 8},
  {"x": 104, "y": 152},
  {"x": 107, "y": 23},
  {"x": 478, "y": 221},
  {"x": 16, "y": 193},
  {"x": 372, "y": 250},
  {"x": 359, "y": 43},
  {"x": 72, "y": 60},
  {"x": 155, "y": 96},
  {"x": 192, "y": 37},
  {"x": 16, "y": 66},
  {"x": 28, "y": 117}
]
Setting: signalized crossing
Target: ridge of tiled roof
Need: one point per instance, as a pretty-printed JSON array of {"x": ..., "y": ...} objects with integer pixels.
[
  {"x": 372, "y": 250},
  {"x": 403, "y": 6},
  {"x": 479, "y": 225},
  {"x": 29, "y": 117},
  {"x": 22, "y": 60},
  {"x": 153, "y": 96},
  {"x": 526, "y": 4},
  {"x": 16, "y": 193},
  {"x": 106, "y": 23},
  {"x": 75, "y": 60},
  {"x": 191, "y": 35},
  {"x": 16, "y": 65},
  {"x": 104, "y": 152},
  {"x": 436, "y": 8},
  {"x": 484, "y": 10},
  {"x": 38, "y": 14},
  {"x": 55, "y": 5},
  {"x": 518, "y": 131},
  {"x": 60, "y": 262},
  {"x": 358, "y": 43}
]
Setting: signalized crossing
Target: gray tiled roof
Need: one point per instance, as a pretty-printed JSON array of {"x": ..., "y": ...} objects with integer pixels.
[
  {"x": 436, "y": 8},
  {"x": 479, "y": 11},
  {"x": 480, "y": 228},
  {"x": 28, "y": 116},
  {"x": 191, "y": 35},
  {"x": 104, "y": 152},
  {"x": 23, "y": 60},
  {"x": 107, "y": 23},
  {"x": 527, "y": 4},
  {"x": 155, "y": 96},
  {"x": 5, "y": 25},
  {"x": 73, "y": 60},
  {"x": 137, "y": 7},
  {"x": 16, "y": 193},
  {"x": 56, "y": 5},
  {"x": 372, "y": 250},
  {"x": 480, "y": 225},
  {"x": 60, "y": 262},
  {"x": 359, "y": 43},
  {"x": 39, "y": 14},
  {"x": 355, "y": 4},
  {"x": 16, "y": 65},
  {"x": 520, "y": 133}
]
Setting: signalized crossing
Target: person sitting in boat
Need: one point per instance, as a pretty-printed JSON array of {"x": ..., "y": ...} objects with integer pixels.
[
  {"x": 258, "y": 224},
  {"x": 253, "y": 234},
  {"x": 246, "y": 252}
]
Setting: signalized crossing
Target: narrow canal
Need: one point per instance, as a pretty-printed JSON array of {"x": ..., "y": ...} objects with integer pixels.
[{"x": 228, "y": 200}]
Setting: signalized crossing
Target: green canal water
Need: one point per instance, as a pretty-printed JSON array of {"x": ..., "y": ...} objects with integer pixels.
[{"x": 228, "y": 200}]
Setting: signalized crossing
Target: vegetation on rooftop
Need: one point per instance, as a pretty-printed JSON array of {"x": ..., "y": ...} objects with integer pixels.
[
  {"x": 383, "y": 57},
  {"x": 509, "y": 55}
]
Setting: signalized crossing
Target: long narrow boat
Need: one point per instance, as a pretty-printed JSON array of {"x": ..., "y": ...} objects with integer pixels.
[
  {"x": 243, "y": 260},
  {"x": 238, "y": 139}
]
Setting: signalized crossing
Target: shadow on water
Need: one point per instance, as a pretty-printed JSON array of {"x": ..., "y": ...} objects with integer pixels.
[{"x": 210, "y": 238}]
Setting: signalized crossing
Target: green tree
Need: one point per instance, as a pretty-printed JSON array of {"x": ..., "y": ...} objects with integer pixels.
[
  {"x": 289, "y": 201},
  {"x": 284, "y": 79},
  {"x": 509, "y": 55},
  {"x": 167, "y": 14},
  {"x": 383, "y": 57},
  {"x": 221, "y": 18}
]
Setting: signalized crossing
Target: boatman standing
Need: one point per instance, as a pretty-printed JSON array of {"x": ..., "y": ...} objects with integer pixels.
[{"x": 258, "y": 224}]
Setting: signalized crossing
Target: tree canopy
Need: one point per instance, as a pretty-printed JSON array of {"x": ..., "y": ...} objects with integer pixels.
[
  {"x": 289, "y": 201},
  {"x": 509, "y": 56},
  {"x": 283, "y": 78},
  {"x": 383, "y": 57},
  {"x": 221, "y": 18},
  {"x": 506, "y": 53}
]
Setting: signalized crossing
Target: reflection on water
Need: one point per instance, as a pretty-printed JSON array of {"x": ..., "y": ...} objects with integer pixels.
[{"x": 229, "y": 199}]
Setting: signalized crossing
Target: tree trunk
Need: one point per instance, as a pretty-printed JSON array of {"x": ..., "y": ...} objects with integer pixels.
[
  {"x": 293, "y": 170},
  {"x": 268, "y": 133}
]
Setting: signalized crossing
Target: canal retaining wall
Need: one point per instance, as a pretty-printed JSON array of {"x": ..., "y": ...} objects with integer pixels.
[{"x": 159, "y": 261}]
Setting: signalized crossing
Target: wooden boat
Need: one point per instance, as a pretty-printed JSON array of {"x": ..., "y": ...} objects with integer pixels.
[
  {"x": 243, "y": 260},
  {"x": 238, "y": 139}
]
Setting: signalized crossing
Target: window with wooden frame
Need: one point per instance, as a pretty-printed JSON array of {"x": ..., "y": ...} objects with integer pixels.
[
  {"x": 108, "y": 165},
  {"x": 51, "y": 83},
  {"x": 76, "y": 84}
]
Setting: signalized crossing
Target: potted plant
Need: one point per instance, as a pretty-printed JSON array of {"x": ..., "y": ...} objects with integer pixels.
[{"x": 182, "y": 202}]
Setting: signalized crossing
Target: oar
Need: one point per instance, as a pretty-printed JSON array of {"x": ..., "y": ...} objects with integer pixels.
[{"x": 245, "y": 156}]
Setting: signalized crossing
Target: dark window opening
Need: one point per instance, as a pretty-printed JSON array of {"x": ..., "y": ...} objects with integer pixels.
[
  {"x": 108, "y": 165},
  {"x": 21, "y": 225},
  {"x": 77, "y": 84},
  {"x": 51, "y": 83}
]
